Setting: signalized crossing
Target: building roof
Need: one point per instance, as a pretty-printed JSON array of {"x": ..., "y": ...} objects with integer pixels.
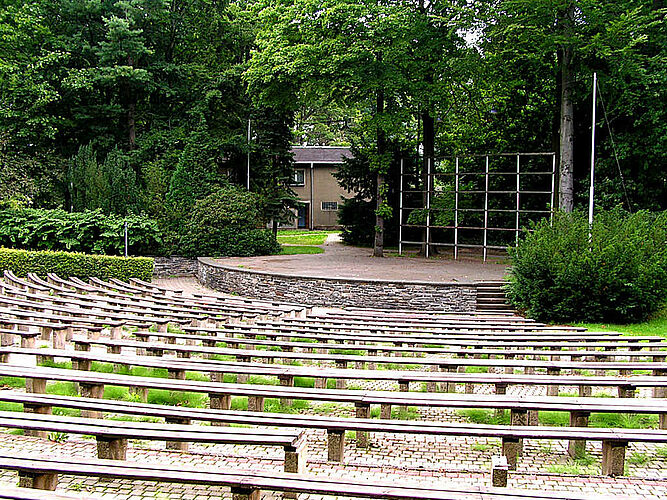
[{"x": 320, "y": 154}]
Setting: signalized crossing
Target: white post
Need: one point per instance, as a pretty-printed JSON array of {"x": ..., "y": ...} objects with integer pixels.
[
  {"x": 518, "y": 199},
  {"x": 592, "y": 190},
  {"x": 553, "y": 187},
  {"x": 248, "y": 169},
  {"x": 456, "y": 211},
  {"x": 428, "y": 205},
  {"x": 486, "y": 205},
  {"x": 125, "y": 238},
  {"x": 400, "y": 213}
]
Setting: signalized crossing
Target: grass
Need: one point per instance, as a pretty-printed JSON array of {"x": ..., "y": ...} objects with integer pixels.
[
  {"x": 303, "y": 238},
  {"x": 637, "y": 458},
  {"x": 14, "y": 382},
  {"x": 477, "y": 416},
  {"x": 656, "y": 325},
  {"x": 300, "y": 249}
]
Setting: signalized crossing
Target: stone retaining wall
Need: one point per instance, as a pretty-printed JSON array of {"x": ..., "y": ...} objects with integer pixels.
[
  {"x": 336, "y": 292},
  {"x": 174, "y": 266}
]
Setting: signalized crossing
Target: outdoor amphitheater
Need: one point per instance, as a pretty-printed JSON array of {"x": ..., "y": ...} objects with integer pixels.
[{"x": 140, "y": 390}]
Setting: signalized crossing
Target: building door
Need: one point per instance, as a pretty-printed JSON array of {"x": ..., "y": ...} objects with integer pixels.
[{"x": 302, "y": 217}]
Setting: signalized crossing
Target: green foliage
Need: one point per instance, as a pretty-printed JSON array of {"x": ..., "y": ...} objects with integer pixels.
[
  {"x": 358, "y": 220},
  {"x": 110, "y": 186},
  {"x": 225, "y": 223},
  {"x": 67, "y": 264},
  {"x": 89, "y": 232},
  {"x": 621, "y": 275}
]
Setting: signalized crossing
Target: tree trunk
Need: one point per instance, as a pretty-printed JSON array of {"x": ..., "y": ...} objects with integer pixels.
[
  {"x": 566, "y": 170},
  {"x": 131, "y": 125},
  {"x": 378, "y": 247},
  {"x": 428, "y": 141}
]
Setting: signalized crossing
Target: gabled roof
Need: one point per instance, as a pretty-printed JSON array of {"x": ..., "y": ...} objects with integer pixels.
[{"x": 320, "y": 154}]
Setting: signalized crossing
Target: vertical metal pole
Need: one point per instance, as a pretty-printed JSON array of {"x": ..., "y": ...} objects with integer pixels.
[
  {"x": 400, "y": 212},
  {"x": 592, "y": 190},
  {"x": 247, "y": 184},
  {"x": 553, "y": 187},
  {"x": 125, "y": 226},
  {"x": 518, "y": 199},
  {"x": 486, "y": 205},
  {"x": 456, "y": 210},
  {"x": 311, "y": 223},
  {"x": 428, "y": 205}
]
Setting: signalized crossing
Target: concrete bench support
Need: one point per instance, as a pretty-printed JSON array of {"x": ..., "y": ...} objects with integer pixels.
[
  {"x": 240, "y": 493},
  {"x": 255, "y": 403},
  {"x": 519, "y": 417},
  {"x": 286, "y": 381},
  {"x": 510, "y": 451},
  {"x": 177, "y": 445},
  {"x": 39, "y": 481},
  {"x": 613, "y": 457},
  {"x": 111, "y": 449},
  {"x": 362, "y": 411},
  {"x": 577, "y": 447},
  {"x": 499, "y": 470},
  {"x": 336, "y": 445},
  {"x": 91, "y": 391}
]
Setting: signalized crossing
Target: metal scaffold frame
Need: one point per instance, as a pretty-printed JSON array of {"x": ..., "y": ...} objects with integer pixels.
[{"x": 428, "y": 189}]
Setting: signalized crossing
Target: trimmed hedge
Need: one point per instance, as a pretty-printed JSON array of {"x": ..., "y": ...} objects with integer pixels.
[
  {"x": 66, "y": 264},
  {"x": 619, "y": 276}
]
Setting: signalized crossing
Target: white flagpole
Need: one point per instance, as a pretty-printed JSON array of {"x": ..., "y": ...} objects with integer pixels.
[{"x": 592, "y": 189}]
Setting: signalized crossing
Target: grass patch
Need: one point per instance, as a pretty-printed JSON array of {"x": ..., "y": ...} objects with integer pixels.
[
  {"x": 62, "y": 389},
  {"x": 299, "y": 250},
  {"x": 477, "y": 369},
  {"x": 177, "y": 398},
  {"x": 132, "y": 418},
  {"x": 14, "y": 382},
  {"x": 637, "y": 458},
  {"x": 303, "y": 238},
  {"x": 661, "y": 451},
  {"x": 66, "y": 412},
  {"x": 656, "y": 325},
  {"x": 569, "y": 468},
  {"x": 67, "y": 365},
  {"x": 273, "y": 405},
  {"x": 478, "y": 416},
  {"x": 8, "y": 406},
  {"x": 347, "y": 352},
  {"x": 197, "y": 376}
]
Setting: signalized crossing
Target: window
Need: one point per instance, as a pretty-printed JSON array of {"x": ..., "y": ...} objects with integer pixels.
[
  {"x": 299, "y": 178},
  {"x": 329, "y": 206}
]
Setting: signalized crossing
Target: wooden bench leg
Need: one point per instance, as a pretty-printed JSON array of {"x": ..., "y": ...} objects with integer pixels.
[
  {"x": 577, "y": 447},
  {"x": 286, "y": 381},
  {"x": 41, "y": 410},
  {"x": 255, "y": 403},
  {"x": 519, "y": 417},
  {"x": 220, "y": 402},
  {"x": 372, "y": 365},
  {"x": 585, "y": 391},
  {"x": 499, "y": 468},
  {"x": 91, "y": 391},
  {"x": 177, "y": 445},
  {"x": 341, "y": 383},
  {"x": 111, "y": 449},
  {"x": 39, "y": 481},
  {"x": 336, "y": 445},
  {"x": 385, "y": 411},
  {"x": 626, "y": 391},
  {"x": 320, "y": 383},
  {"x": 175, "y": 374},
  {"x": 35, "y": 385},
  {"x": 553, "y": 389},
  {"x": 613, "y": 457},
  {"x": 362, "y": 411},
  {"x": 59, "y": 337},
  {"x": 244, "y": 493},
  {"x": 510, "y": 451},
  {"x": 451, "y": 386},
  {"x": 533, "y": 417},
  {"x": 501, "y": 389}
]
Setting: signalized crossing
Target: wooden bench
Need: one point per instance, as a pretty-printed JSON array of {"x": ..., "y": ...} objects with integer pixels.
[
  {"x": 92, "y": 385},
  {"x": 112, "y": 435},
  {"x": 42, "y": 473},
  {"x": 336, "y": 427},
  {"x": 572, "y": 350},
  {"x": 286, "y": 373}
]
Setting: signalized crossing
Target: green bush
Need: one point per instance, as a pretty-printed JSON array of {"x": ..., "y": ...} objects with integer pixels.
[
  {"x": 66, "y": 264},
  {"x": 225, "y": 223},
  {"x": 357, "y": 218},
  {"x": 619, "y": 276},
  {"x": 89, "y": 232}
]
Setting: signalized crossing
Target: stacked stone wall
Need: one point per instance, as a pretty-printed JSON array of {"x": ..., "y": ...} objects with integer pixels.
[{"x": 337, "y": 292}]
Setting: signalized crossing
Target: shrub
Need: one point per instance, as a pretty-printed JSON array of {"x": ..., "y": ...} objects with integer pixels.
[
  {"x": 225, "y": 223},
  {"x": 67, "y": 264},
  {"x": 619, "y": 276},
  {"x": 357, "y": 218},
  {"x": 90, "y": 232}
]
